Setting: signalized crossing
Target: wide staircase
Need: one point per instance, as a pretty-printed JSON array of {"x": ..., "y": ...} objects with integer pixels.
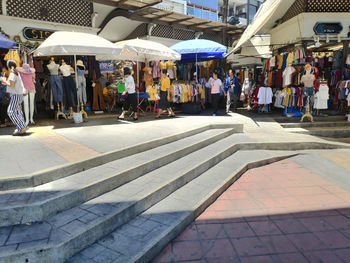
[{"x": 126, "y": 205}]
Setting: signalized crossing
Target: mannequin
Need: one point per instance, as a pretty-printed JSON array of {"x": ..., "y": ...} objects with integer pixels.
[
  {"x": 148, "y": 77},
  {"x": 56, "y": 86},
  {"x": 69, "y": 86},
  {"x": 28, "y": 78},
  {"x": 81, "y": 89},
  {"x": 309, "y": 91}
]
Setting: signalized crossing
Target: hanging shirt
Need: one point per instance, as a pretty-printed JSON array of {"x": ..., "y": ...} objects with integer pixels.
[
  {"x": 287, "y": 76},
  {"x": 28, "y": 78}
]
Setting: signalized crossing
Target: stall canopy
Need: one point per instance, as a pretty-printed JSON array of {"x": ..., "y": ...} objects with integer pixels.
[
  {"x": 199, "y": 50},
  {"x": 6, "y": 42},
  {"x": 145, "y": 50},
  {"x": 269, "y": 12},
  {"x": 65, "y": 43}
]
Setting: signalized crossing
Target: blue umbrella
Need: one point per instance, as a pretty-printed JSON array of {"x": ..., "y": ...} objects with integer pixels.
[
  {"x": 6, "y": 42},
  {"x": 199, "y": 50}
]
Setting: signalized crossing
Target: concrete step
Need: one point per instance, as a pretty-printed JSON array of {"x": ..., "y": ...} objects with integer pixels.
[
  {"x": 63, "y": 235},
  {"x": 59, "y": 237},
  {"x": 316, "y": 124},
  {"x": 331, "y": 132},
  {"x": 61, "y": 171},
  {"x": 143, "y": 238},
  {"x": 37, "y": 203}
]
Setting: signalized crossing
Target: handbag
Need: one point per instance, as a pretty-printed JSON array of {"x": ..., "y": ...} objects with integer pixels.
[
  {"x": 242, "y": 97},
  {"x": 123, "y": 98}
]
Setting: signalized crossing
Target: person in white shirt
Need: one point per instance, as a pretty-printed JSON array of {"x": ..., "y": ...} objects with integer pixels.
[
  {"x": 130, "y": 92},
  {"x": 17, "y": 91}
]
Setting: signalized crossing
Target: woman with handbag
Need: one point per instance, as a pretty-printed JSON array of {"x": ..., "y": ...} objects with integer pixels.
[
  {"x": 17, "y": 91},
  {"x": 129, "y": 95},
  {"x": 165, "y": 96}
]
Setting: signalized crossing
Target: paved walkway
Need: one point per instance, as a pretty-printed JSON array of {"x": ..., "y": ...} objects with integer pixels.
[
  {"x": 283, "y": 212},
  {"x": 57, "y": 142}
]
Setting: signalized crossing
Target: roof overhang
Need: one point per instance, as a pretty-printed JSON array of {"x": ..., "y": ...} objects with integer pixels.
[
  {"x": 143, "y": 11},
  {"x": 270, "y": 12}
]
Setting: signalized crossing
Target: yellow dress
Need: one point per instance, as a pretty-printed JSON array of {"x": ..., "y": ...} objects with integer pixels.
[{"x": 152, "y": 92}]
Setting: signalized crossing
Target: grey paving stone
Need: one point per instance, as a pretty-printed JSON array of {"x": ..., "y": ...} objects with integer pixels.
[
  {"x": 39, "y": 243},
  {"x": 87, "y": 218},
  {"x": 4, "y": 233},
  {"x": 79, "y": 258},
  {"x": 92, "y": 251},
  {"x": 8, "y": 249},
  {"x": 101, "y": 209},
  {"x": 66, "y": 216},
  {"x": 132, "y": 231},
  {"x": 106, "y": 256},
  {"x": 58, "y": 236},
  {"x": 73, "y": 227},
  {"x": 24, "y": 233}
]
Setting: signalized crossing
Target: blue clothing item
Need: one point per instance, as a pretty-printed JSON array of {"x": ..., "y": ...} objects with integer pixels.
[
  {"x": 284, "y": 64},
  {"x": 3, "y": 92},
  {"x": 56, "y": 88},
  {"x": 80, "y": 72},
  {"x": 235, "y": 82}
]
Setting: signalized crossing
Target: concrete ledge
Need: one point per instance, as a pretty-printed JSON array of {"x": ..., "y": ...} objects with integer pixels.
[{"x": 61, "y": 171}]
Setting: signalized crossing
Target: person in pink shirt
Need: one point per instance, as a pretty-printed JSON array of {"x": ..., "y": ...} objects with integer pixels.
[{"x": 215, "y": 86}]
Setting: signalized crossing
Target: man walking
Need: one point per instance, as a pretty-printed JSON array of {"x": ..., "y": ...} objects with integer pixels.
[{"x": 233, "y": 91}]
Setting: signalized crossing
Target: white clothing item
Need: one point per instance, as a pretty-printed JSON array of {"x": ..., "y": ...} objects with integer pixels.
[
  {"x": 321, "y": 97},
  {"x": 28, "y": 103},
  {"x": 287, "y": 76},
  {"x": 278, "y": 100},
  {"x": 171, "y": 74},
  {"x": 265, "y": 95},
  {"x": 65, "y": 69},
  {"x": 19, "y": 87},
  {"x": 53, "y": 68},
  {"x": 130, "y": 84}
]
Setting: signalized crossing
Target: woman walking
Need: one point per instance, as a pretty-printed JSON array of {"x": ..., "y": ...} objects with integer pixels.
[
  {"x": 16, "y": 89},
  {"x": 215, "y": 86},
  {"x": 130, "y": 92},
  {"x": 165, "y": 96}
]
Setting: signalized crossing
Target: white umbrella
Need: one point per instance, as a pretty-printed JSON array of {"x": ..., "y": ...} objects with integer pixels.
[
  {"x": 64, "y": 43},
  {"x": 140, "y": 50},
  {"x": 145, "y": 50}
]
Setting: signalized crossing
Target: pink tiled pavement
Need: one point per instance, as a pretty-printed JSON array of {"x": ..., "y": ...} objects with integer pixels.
[{"x": 277, "y": 213}]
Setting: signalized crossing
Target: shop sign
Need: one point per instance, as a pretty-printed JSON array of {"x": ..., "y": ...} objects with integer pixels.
[
  {"x": 106, "y": 66},
  {"x": 327, "y": 28},
  {"x": 36, "y": 34}
]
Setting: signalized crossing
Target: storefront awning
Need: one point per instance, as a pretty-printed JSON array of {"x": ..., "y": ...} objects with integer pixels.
[
  {"x": 258, "y": 46},
  {"x": 265, "y": 19}
]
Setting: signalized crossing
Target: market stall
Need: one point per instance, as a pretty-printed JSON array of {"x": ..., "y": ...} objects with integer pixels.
[{"x": 73, "y": 44}]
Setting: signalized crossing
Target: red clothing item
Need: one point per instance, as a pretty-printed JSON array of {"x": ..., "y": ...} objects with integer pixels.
[{"x": 279, "y": 78}]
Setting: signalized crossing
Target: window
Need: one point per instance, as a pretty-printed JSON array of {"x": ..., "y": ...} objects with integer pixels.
[
  {"x": 252, "y": 11},
  {"x": 190, "y": 10}
]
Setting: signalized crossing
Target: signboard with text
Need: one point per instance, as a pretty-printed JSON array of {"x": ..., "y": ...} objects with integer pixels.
[
  {"x": 328, "y": 28},
  {"x": 36, "y": 34},
  {"x": 106, "y": 66}
]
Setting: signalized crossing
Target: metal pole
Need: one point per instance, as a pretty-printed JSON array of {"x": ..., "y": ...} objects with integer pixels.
[
  {"x": 196, "y": 70},
  {"x": 138, "y": 89},
  {"x": 76, "y": 81}
]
